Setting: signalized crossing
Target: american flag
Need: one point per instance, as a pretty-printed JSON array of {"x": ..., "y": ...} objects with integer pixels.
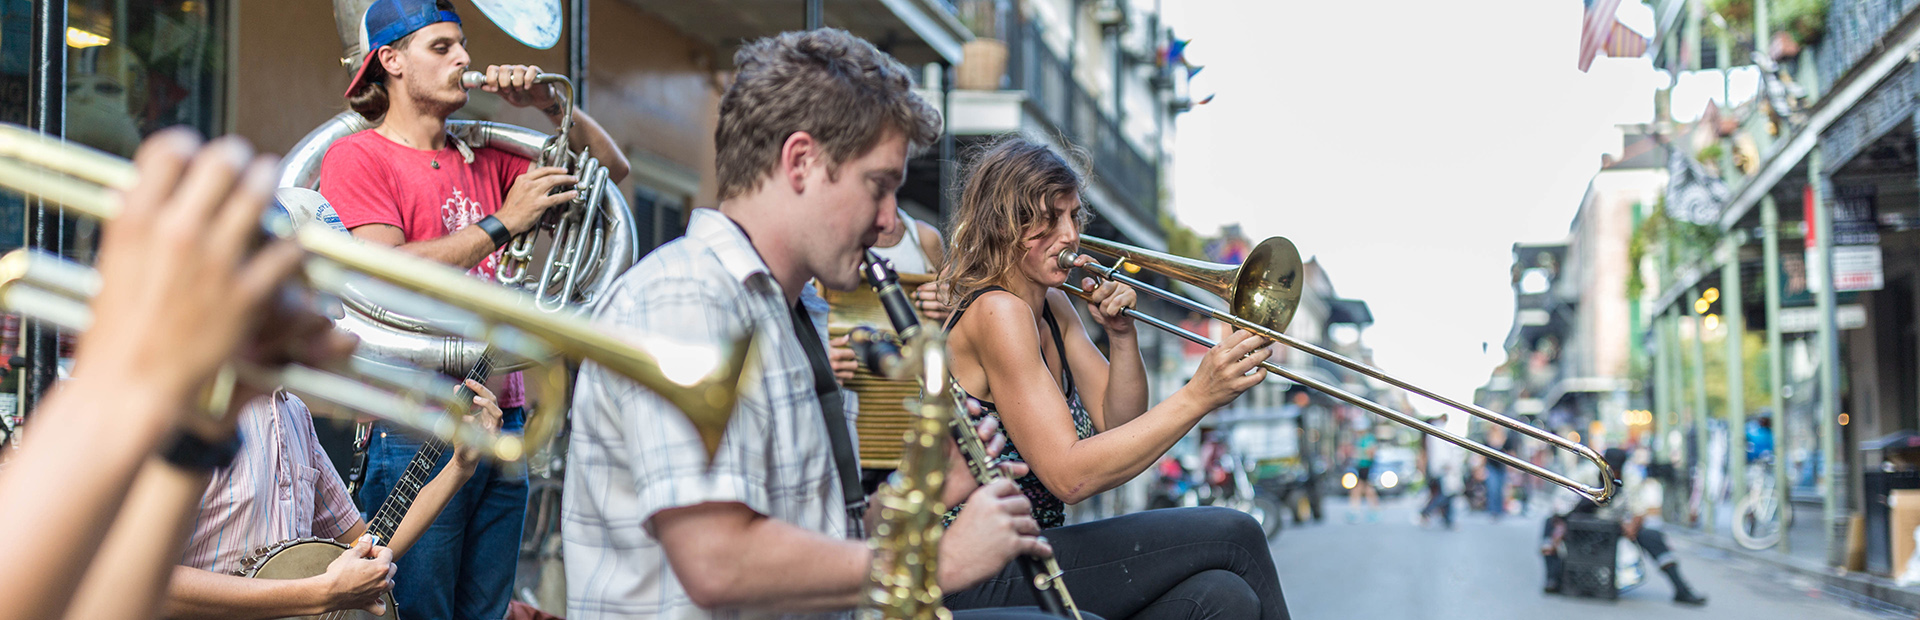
[
  {"x": 1594, "y": 29},
  {"x": 1623, "y": 42}
]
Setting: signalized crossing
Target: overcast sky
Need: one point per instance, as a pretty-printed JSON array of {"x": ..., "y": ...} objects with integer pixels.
[{"x": 1408, "y": 145}]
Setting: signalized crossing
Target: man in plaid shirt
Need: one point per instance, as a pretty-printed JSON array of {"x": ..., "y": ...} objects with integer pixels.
[{"x": 813, "y": 140}]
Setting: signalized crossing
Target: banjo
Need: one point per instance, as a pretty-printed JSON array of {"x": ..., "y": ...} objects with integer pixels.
[{"x": 308, "y": 557}]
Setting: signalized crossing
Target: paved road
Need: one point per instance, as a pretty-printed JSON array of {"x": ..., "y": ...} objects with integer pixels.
[{"x": 1395, "y": 569}]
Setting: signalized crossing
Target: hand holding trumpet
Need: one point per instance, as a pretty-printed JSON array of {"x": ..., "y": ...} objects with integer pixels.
[{"x": 183, "y": 289}]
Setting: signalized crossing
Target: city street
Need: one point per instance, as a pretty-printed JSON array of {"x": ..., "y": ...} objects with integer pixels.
[{"x": 1395, "y": 569}]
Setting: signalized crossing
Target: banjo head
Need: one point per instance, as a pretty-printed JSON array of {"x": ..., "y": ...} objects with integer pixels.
[{"x": 307, "y": 557}]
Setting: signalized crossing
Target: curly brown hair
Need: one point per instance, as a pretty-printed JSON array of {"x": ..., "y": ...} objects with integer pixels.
[
  {"x": 835, "y": 86},
  {"x": 1007, "y": 194}
]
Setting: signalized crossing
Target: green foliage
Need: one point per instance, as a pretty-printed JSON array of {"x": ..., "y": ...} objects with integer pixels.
[
  {"x": 1805, "y": 20},
  {"x": 1182, "y": 241},
  {"x": 1753, "y": 370},
  {"x": 1710, "y": 155},
  {"x": 1671, "y": 242}
]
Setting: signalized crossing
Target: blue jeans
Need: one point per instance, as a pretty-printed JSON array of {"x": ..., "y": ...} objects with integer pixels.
[
  {"x": 1496, "y": 490},
  {"x": 463, "y": 565}
]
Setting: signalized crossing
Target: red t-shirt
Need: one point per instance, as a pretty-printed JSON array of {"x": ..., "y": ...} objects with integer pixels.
[{"x": 372, "y": 180}]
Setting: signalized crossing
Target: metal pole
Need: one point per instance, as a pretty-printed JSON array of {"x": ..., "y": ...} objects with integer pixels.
[
  {"x": 44, "y": 222},
  {"x": 1677, "y": 450},
  {"x": 1776, "y": 398},
  {"x": 816, "y": 14},
  {"x": 578, "y": 16},
  {"x": 1701, "y": 434},
  {"x": 1696, "y": 11},
  {"x": 1820, "y": 270},
  {"x": 1734, "y": 318},
  {"x": 1662, "y": 389},
  {"x": 949, "y": 167}
]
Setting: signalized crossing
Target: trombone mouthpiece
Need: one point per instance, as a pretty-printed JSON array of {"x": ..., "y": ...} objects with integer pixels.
[
  {"x": 473, "y": 79},
  {"x": 1066, "y": 258}
]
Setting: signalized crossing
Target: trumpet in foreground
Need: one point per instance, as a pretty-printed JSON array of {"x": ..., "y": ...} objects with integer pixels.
[{"x": 702, "y": 382}]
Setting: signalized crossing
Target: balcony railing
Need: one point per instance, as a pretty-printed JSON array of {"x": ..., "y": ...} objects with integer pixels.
[
  {"x": 1057, "y": 99},
  {"x": 1854, "y": 28}
]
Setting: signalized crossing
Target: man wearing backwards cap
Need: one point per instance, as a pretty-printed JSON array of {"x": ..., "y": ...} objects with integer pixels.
[{"x": 407, "y": 183}]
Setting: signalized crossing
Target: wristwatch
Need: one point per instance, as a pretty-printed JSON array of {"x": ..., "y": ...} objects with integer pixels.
[{"x": 191, "y": 452}]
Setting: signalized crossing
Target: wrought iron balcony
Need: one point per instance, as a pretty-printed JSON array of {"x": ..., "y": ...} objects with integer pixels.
[{"x": 1069, "y": 110}]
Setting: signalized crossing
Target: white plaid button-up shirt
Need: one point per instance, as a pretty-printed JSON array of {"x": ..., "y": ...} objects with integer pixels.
[{"x": 633, "y": 455}]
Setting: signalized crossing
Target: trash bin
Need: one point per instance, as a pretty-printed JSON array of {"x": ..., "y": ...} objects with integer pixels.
[
  {"x": 1898, "y": 450},
  {"x": 1587, "y": 569}
]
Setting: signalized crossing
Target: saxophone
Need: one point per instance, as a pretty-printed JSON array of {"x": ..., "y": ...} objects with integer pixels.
[
  {"x": 904, "y": 582},
  {"x": 879, "y": 354}
]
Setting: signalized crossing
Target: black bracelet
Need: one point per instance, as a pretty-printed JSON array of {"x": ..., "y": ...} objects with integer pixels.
[
  {"x": 191, "y": 452},
  {"x": 498, "y": 231}
]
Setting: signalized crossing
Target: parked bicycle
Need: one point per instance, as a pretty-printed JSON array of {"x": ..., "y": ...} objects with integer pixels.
[{"x": 1761, "y": 519}]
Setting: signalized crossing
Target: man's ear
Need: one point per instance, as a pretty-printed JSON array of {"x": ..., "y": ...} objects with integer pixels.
[
  {"x": 798, "y": 156},
  {"x": 389, "y": 59}
]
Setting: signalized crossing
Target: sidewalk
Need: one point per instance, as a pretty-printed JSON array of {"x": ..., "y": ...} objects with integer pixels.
[{"x": 1807, "y": 555}]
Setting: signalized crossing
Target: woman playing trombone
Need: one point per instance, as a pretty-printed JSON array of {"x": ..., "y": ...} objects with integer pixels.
[{"x": 1081, "y": 422}]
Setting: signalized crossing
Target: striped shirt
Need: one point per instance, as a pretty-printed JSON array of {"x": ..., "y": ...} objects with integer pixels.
[
  {"x": 281, "y": 487},
  {"x": 633, "y": 455}
]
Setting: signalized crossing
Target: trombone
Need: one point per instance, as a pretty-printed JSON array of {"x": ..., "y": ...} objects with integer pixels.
[
  {"x": 1264, "y": 292},
  {"x": 702, "y": 382}
]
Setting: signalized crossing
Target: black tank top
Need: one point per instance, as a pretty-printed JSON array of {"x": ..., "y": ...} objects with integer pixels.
[{"x": 1047, "y": 508}]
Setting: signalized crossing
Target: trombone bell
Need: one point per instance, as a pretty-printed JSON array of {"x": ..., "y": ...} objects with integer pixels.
[{"x": 1265, "y": 289}]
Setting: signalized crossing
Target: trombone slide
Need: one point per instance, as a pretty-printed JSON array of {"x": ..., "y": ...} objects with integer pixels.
[{"x": 1183, "y": 268}]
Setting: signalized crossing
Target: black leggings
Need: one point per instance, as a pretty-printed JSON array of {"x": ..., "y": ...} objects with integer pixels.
[{"x": 1172, "y": 563}]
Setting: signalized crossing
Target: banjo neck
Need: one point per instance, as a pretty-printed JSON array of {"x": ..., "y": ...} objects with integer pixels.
[{"x": 419, "y": 471}]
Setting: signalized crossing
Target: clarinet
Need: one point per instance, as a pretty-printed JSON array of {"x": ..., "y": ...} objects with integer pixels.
[{"x": 879, "y": 354}]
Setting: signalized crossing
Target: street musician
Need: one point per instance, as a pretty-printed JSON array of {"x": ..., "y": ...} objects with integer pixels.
[
  {"x": 408, "y": 183},
  {"x": 1080, "y": 421},
  {"x": 119, "y": 453},
  {"x": 813, "y": 139}
]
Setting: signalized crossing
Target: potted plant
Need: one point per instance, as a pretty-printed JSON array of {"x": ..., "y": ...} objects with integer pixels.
[{"x": 983, "y": 61}]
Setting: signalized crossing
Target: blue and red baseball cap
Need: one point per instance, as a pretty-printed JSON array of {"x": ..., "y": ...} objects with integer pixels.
[{"x": 387, "y": 21}]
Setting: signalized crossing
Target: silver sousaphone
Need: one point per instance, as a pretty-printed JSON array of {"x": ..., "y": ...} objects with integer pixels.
[{"x": 589, "y": 241}]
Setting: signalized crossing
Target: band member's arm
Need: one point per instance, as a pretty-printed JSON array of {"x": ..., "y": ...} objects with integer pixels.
[
  {"x": 178, "y": 290},
  {"x": 1114, "y": 392},
  {"x": 433, "y": 497},
  {"x": 514, "y": 83},
  {"x": 355, "y": 580},
  {"x": 588, "y": 133},
  {"x": 931, "y": 297},
  {"x": 729, "y": 557},
  {"x": 1003, "y": 339},
  {"x": 932, "y": 246},
  {"x": 151, "y": 529}
]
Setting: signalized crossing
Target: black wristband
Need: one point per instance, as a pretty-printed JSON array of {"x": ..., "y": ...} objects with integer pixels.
[
  {"x": 498, "y": 231},
  {"x": 191, "y": 452}
]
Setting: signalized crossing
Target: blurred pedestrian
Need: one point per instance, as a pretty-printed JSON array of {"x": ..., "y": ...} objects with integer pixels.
[
  {"x": 1443, "y": 470},
  {"x": 1497, "y": 473},
  {"x": 1363, "y": 453}
]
